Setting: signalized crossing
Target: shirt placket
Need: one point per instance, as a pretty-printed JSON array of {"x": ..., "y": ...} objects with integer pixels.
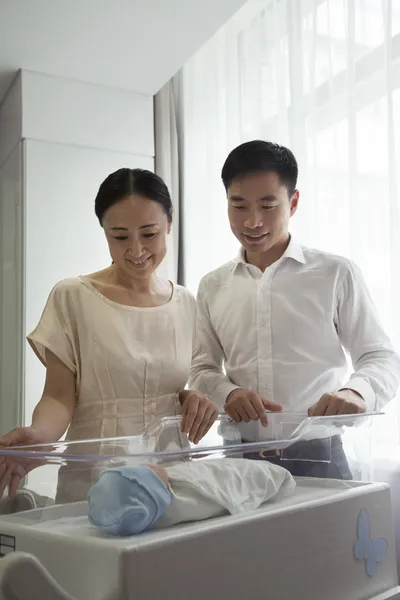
[{"x": 264, "y": 329}]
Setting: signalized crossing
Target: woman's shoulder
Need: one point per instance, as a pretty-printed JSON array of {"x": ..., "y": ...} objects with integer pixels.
[
  {"x": 184, "y": 294},
  {"x": 67, "y": 289},
  {"x": 69, "y": 284}
]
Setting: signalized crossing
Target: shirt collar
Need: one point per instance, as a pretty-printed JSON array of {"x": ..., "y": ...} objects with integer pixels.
[{"x": 294, "y": 251}]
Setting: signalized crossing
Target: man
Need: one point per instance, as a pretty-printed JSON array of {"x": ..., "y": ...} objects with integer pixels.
[{"x": 275, "y": 324}]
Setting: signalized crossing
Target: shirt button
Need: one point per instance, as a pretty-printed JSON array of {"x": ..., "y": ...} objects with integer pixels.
[{"x": 263, "y": 323}]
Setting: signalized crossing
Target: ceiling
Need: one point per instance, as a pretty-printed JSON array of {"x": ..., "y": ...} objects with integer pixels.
[{"x": 128, "y": 44}]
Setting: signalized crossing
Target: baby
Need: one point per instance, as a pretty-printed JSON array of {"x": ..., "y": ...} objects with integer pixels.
[{"x": 129, "y": 500}]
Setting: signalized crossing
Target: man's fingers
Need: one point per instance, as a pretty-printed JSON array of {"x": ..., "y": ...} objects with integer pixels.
[
  {"x": 319, "y": 409},
  {"x": 244, "y": 411},
  {"x": 251, "y": 407},
  {"x": 251, "y": 411},
  {"x": 272, "y": 406},
  {"x": 260, "y": 409},
  {"x": 238, "y": 410},
  {"x": 232, "y": 412},
  {"x": 333, "y": 406}
]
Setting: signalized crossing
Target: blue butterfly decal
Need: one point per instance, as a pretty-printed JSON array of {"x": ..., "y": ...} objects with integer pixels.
[{"x": 372, "y": 551}]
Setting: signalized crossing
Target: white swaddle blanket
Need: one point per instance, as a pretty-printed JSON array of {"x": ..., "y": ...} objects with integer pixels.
[
  {"x": 211, "y": 488},
  {"x": 129, "y": 500}
]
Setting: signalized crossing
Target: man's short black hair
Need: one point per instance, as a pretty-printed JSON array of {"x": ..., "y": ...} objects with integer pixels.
[{"x": 258, "y": 156}]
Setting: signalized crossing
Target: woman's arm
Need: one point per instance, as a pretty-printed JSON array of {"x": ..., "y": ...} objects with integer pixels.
[
  {"x": 54, "y": 412},
  {"x": 51, "y": 418}
]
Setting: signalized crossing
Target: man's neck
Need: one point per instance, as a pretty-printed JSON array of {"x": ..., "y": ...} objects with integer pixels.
[{"x": 263, "y": 260}]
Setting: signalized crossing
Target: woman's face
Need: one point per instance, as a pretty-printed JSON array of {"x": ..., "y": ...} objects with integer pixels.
[{"x": 136, "y": 229}]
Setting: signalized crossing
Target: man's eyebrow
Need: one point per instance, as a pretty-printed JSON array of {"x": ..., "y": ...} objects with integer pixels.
[{"x": 269, "y": 198}]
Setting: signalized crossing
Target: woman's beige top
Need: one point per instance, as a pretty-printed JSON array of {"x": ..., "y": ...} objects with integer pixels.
[{"x": 130, "y": 362}]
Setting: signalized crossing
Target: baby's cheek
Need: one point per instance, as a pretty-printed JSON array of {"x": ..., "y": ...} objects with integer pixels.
[{"x": 162, "y": 473}]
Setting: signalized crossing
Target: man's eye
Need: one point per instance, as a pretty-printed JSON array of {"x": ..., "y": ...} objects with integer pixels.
[
  {"x": 149, "y": 235},
  {"x": 239, "y": 207},
  {"x": 121, "y": 237}
]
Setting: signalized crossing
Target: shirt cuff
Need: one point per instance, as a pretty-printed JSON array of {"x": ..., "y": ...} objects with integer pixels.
[
  {"x": 222, "y": 392},
  {"x": 362, "y": 387}
]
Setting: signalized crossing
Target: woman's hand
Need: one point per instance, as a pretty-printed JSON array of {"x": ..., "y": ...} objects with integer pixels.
[
  {"x": 14, "y": 468},
  {"x": 199, "y": 414}
]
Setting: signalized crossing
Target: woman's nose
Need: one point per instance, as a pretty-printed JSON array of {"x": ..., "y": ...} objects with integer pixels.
[{"x": 136, "y": 249}]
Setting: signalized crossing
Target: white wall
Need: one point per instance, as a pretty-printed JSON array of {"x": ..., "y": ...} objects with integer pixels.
[
  {"x": 75, "y": 135},
  {"x": 94, "y": 116},
  {"x": 11, "y": 299},
  {"x": 63, "y": 236},
  {"x": 69, "y": 136},
  {"x": 11, "y": 120}
]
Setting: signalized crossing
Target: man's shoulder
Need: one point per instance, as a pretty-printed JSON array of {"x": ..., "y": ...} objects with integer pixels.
[
  {"x": 218, "y": 276},
  {"x": 328, "y": 260}
]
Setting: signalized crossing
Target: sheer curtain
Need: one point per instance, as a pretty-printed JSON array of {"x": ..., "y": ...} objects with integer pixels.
[
  {"x": 167, "y": 166},
  {"x": 323, "y": 77}
]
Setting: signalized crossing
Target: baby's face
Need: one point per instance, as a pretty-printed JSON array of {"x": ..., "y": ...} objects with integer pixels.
[{"x": 161, "y": 472}]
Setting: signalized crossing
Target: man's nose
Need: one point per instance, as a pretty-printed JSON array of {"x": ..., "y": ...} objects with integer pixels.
[{"x": 254, "y": 220}]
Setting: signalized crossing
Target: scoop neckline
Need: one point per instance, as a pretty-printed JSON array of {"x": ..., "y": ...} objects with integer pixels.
[{"x": 86, "y": 281}]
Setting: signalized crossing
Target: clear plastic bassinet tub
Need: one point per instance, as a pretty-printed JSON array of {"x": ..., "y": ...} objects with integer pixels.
[
  {"x": 51, "y": 551},
  {"x": 64, "y": 471}
]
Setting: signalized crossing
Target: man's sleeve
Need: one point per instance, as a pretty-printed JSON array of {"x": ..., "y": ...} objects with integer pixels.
[
  {"x": 376, "y": 365},
  {"x": 207, "y": 376}
]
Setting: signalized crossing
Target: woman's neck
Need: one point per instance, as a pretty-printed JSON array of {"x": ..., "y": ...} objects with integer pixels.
[{"x": 141, "y": 285}]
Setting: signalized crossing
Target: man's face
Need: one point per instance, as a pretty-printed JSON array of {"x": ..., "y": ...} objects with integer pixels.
[{"x": 259, "y": 209}]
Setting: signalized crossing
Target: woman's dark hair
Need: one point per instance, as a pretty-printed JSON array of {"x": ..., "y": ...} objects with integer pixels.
[
  {"x": 258, "y": 156},
  {"x": 126, "y": 182}
]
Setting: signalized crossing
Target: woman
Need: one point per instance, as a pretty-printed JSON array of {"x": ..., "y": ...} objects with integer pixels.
[{"x": 117, "y": 344}]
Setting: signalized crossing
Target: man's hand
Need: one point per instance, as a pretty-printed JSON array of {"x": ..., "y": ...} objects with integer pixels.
[
  {"x": 245, "y": 405},
  {"x": 343, "y": 402},
  {"x": 198, "y": 413}
]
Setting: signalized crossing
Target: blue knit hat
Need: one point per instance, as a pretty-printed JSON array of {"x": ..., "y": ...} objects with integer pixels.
[{"x": 127, "y": 500}]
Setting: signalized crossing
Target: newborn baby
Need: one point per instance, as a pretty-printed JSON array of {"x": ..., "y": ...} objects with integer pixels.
[{"x": 130, "y": 500}]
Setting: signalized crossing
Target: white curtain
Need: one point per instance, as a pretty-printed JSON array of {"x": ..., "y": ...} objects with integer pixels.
[
  {"x": 167, "y": 166},
  {"x": 322, "y": 77}
]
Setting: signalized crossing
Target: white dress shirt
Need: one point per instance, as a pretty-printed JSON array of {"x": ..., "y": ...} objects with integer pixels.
[{"x": 287, "y": 332}]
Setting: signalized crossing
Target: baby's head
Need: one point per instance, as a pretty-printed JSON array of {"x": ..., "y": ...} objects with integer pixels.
[{"x": 129, "y": 500}]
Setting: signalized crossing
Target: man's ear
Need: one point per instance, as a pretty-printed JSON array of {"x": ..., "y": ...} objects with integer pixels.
[{"x": 294, "y": 202}]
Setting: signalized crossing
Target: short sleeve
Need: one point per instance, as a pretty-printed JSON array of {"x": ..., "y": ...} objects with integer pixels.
[{"x": 56, "y": 329}]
